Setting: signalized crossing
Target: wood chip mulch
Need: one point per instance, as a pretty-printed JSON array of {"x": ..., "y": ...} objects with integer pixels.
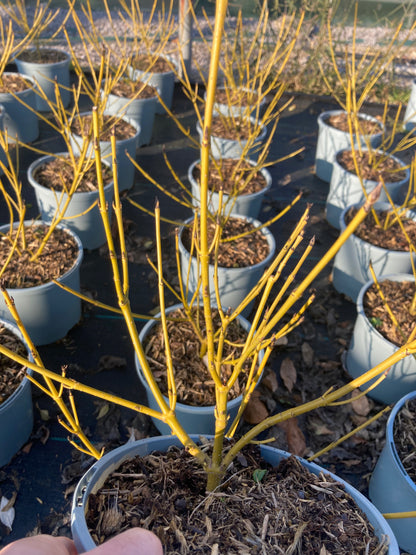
[
  {"x": 389, "y": 234},
  {"x": 340, "y": 122},
  {"x": 236, "y": 97},
  {"x": 235, "y": 251},
  {"x": 14, "y": 83},
  {"x": 42, "y": 56},
  {"x": 404, "y": 433},
  {"x": 126, "y": 88},
  {"x": 143, "y": 62},
  {"x": 233, "y": 176},
  {"x": 11, "y": 373},
  {"x": 82, "y": 126},
  {"x": 234, "y": 129},
  {"x": 194, "y": 383},
  {"x": 57, "y": 258},
  {"x": 400, "y": 297},
  {"x": 375, "y": 167},
  {"x": 59, "y": 174},
  {"x": 257, "y": 510}
]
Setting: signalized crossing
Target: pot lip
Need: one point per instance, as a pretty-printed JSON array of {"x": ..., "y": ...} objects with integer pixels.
[
  {"x": 197, "y": 410},
  {"x": 266, "y": 232},
  {"x": 390, "y": 438},
  {"x": 49, "y": 157},
  {"x": 25, "y": 382},
  {"x": 360, "y": 302},
  {"x": 370, "y": 181},
  {"x": 115, "y": 457},
  {"x": 264, "y": 171},
  {"x": 362, "y": 115},
  {"x": 61, "y": 62},
  {"x": 253, "y": 120},
  {"x": 378, "y": 206},
  {"x": 38, "y": 288},
  {"x": 125, "y": 118}
]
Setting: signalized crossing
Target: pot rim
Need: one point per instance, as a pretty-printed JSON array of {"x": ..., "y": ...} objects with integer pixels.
[
  {"x": 361, "y": 115},
  {"x": 125, "y": 118}
]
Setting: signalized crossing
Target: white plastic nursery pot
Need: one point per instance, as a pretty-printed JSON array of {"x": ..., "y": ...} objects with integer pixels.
[
  {"x": 391, "y": 489},
  {"x": 21, "y": 122},
  {"x": 228, "y": 148},
  {"x": 16, "y": 412},
  {"x": 345, "y": 189},
  {"x": 46, "y": 75},
  {"x": 331, "y": 140},
  {"x": 245, "y": 205},
  {"x": 164, "y": 82},
  {"x": 368, "y": 348},
  {"x": 47, "y": 311},
  {"x": 95, "y": 477},
  {"x": 194, "y": 419},
  {"x": 234, "y": 283},
  {"x": 125, "y": 168},
  {"x": 140, "y": 110},
  {"x": 351, "y": 264},
  {"x": 410, "y": 113},
  {"x": 87, "y": 224}
]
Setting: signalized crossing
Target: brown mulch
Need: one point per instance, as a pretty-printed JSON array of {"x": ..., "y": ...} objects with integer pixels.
[
  {"x": 399, "y": 296},
  {"x": 42, "y": 56},
  {"x": 236, "y": 97},
  {"x": 82, "y": 126},
  {"x": 11, "y": 372},
  {"x": 234, "y": 176},
  {"x": 374, "y": 167},
  {"x": 390, "y": 236},
  {"x": 258, "y": 509},
  {"x": 126, "y": 88},
  {"x": 59, "y": 174},
  {"x": 240, "y": 252},
  {"x": 340, "y": 121},
  {"x": 404, "y": 433},
  {"x": 14, "y": 83},
  {"x": 193, "y": 380},
  {"x": 234, "y": 129},
  {"x": 143, "y": 62},
  {"x": 57, "y": 258}
]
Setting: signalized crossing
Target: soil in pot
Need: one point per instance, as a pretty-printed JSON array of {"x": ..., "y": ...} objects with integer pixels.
[
  {"x": 58, "y": 256},
  {"x": 14, "y": 83},
  {"x": 399, "y": 296},
  {"x": 11, "y": 372},
  {"x": 340, "y": 121},
  {"x": 82, "y": 126},
  {"x": 194, "y": 383},
  {"x": 404, "y": 433},
  {"x": 42, "y": 56},
  {"x": 233, "y": 129},
  {"x": 126, "y": 88},
  {"x": 58, "y": 174},
  {"x": 258, "y": 509},
  {"x": 235, "y": 250},
  {"x": 143, "y": 62},
  {"x": 236, "y": 97},
  {"x": 390, "y": 237},
  {"x": 234, "y": 176},
  {"x": 374, "y": 166}
]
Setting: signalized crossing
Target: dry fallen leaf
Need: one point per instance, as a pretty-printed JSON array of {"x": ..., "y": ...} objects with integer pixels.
[
  {"x": 288, "y": 373},
  {"x": 307, "y": 354},
  {"x": 270, "y": 381},
  {"x": 319, "y": 428},
  {"x": 360, "y": 406},
  {"x": 256, "y": 410},
  {"x": 294, "y": 436}
]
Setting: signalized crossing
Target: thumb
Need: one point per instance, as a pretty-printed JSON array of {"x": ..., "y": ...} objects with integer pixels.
[{"x": 135, "y": 541}]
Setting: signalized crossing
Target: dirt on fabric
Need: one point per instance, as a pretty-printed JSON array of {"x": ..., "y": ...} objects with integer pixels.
[
  {"x": 400, "y": 297},
  {"x": 57, "y": 258},
  {"x": 241, "y": 244},
  {"x": 11, "y": 372},
  {"x": 233, "y": 176},
  {"x": 258, "y": 509}
]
